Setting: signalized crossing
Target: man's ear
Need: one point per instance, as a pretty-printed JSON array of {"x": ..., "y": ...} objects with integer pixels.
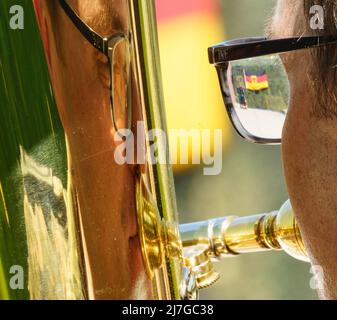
[{"x": 44, "y": 21}]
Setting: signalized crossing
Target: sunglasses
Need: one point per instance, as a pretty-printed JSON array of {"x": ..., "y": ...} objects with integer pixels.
[
  {"x": 254, "y": 83},
  {"x": 118, "y": 52}
]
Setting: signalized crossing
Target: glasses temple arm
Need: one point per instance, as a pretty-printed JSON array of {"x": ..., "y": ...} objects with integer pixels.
[{"x": 94, "y": 38}]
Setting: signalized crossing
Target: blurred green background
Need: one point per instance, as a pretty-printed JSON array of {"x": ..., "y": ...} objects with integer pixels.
[{"x": 251, "y": 182}]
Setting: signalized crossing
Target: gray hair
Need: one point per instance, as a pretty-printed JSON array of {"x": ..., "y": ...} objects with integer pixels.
[{"x": 323, "y": 67}]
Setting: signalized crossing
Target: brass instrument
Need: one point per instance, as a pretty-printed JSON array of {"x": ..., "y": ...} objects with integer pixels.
[
  {"x": 230, "y": 236},
  {"x": 69, "y": 211},
  {"x": 202, "y": 243}
]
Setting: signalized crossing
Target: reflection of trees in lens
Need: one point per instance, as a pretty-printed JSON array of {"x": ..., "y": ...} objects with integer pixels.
[{"x": 276, "y": 97}]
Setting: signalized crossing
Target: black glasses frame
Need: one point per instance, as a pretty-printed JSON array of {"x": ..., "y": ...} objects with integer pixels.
[
  {"x": 223, "y": 53},
  {"x": 105, "y": 45}
]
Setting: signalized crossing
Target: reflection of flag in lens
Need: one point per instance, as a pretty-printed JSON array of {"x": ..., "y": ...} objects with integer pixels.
[{"x": 257, "y": 81}]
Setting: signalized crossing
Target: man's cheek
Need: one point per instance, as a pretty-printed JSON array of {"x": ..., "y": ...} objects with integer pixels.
[
  {"x": 303, "y": 153},
  {"x": 293, "y": 157},
  {"x": 309, "y": 157}
]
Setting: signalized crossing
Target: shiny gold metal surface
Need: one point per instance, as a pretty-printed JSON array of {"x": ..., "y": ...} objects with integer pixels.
[
  {"x": 202, "y": 243},
  {"x": 39, "y": 226},
  {"x": 197, "y": 259},
  {"x": 288, "y": 233},
  {"x": 222, "y": 237},
  {"x": 103, "y": 190},
  {"x": 150, "y": 228},
  {"x": 156, "y": 195},
  {"x": 236, "y": 235},
  {"x": 69, "y": 213}
]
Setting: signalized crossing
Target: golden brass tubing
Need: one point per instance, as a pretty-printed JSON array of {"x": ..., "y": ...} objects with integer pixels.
[
  {"x": 156, "y": 201},
  {"x": 236, "y": 235}
]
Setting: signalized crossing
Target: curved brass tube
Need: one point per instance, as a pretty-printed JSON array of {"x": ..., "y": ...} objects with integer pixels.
[
  {"x": 229, "y": 236},
  {"x": 236, "y": 235}
]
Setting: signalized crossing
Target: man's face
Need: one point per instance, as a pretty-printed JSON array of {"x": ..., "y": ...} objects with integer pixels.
[
  {"x": 309, "y": 149},
  {"x": 105, "y": 190}
]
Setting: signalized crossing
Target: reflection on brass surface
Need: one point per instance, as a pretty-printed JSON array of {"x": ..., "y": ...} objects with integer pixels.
[
  {"x": 188, "y": 287},
  {"x": 167, "y": 278},
  {"x": 53, "y": 260},
  {"x": 288, "y": 233},
  {"x": 150, "y": 228},
  {"x": 104, "y": 189},
  {"x": 197, "y": 259},
  {"x": 159, "y": 240}
]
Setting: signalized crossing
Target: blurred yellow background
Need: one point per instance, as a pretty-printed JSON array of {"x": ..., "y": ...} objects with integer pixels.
[{"x": 192, "y": 97}]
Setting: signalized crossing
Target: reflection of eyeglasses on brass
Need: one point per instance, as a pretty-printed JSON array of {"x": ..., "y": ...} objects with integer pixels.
[
  {"x": 254, "y": 83},
  {"x": 117, "y": 49}
]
